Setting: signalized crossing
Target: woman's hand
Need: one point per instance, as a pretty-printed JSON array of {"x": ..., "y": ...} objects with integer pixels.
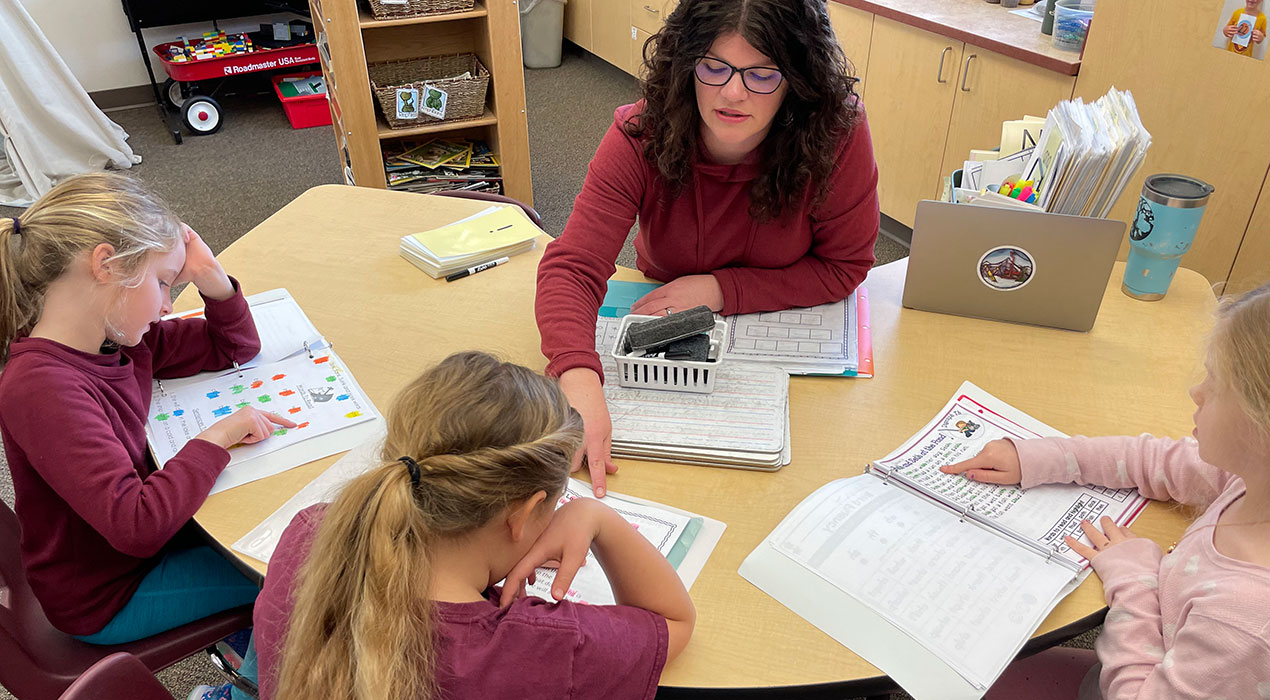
[
  {"x": 684, "y": 293},
  {"x": 996, "y": 463},
  {"x": 582, "y": 387},
  {"x": 202, "y": 268},
  {"x": 567, "y": 540},
  {"x": 1101, "y": 542},
  {"x": 246, "y": 425}
]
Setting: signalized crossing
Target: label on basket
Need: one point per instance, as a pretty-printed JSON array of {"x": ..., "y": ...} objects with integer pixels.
[
  {"x": 407, "y": 103},
  {"x": 434, "y": 101}
]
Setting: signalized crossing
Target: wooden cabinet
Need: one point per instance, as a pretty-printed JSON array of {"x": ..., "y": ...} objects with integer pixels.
[
  {"x": 638, "y": 37},
  {"x": 1206, "y": 110},
  {"x": 909, "y": 99},
  {"x": 854, "y": 29},
  {"x": 577, "y": 22},
  {"x": 611, "y": 32},
  {"x": 992, "y": 88},
  {"x": 349, "y": 37}
]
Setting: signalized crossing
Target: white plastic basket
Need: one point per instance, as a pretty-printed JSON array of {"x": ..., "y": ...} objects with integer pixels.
[{"x": 671, "y": 375}]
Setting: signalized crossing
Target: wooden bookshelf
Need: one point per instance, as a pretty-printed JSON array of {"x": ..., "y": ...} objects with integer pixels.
[{"x": 349, "y": 38}]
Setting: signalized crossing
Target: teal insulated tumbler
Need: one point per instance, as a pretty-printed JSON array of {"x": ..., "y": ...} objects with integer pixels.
[{"x": 1163, "y": 229}]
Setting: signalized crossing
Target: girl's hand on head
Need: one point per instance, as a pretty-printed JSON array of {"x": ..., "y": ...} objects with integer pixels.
[
  {"x": 684, "y": 293},
  {"x": 202, "y": 268},
  {"x": 582, "y": 387},
  {"x": 996, "y": 463},
  {"x": 1115, "y": 534},
  {"x": 246, "y": 426},
  {"x": 566, "y": 540}
]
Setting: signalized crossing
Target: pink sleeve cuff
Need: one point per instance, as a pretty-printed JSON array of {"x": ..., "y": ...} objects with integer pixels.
[
  {"x": 1135, "y": 561},
  {"x": 1041, "y": 461}
]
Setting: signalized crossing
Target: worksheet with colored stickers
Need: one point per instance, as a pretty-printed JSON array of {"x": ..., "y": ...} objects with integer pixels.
[{"x": 297, "y": 375}]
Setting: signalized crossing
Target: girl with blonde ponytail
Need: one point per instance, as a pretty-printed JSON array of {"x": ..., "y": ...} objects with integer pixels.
[
  {"x": 85, "y": 275},
  {"x": 1192, "y": 622},
  {"x": 388, "y": 593}
]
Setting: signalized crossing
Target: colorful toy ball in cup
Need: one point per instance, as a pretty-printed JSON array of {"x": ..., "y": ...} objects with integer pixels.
[{"x": 1164, "y": 227}]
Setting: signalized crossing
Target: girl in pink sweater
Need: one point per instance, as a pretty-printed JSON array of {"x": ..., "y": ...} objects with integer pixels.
[
  {"x": 749, "y": 166},
  {"x": 1192, "y": 622}
]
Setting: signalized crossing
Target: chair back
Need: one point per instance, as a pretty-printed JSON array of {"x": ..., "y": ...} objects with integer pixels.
[
  {"x": 498, "y": 198},
  {"x": 119, "y": 676}
]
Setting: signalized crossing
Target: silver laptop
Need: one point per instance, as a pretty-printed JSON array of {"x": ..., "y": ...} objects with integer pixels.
[{"x": 1008, "y": 265}]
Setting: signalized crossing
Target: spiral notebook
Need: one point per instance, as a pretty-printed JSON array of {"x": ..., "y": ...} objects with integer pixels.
[{"x": 894, "y": 563}]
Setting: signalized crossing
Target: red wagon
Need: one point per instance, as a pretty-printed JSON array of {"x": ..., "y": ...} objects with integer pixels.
[{"x": 200, "y": 113}]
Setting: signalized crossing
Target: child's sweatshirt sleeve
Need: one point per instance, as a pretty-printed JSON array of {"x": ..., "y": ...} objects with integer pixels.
[
  {"x": 68, "y": 440},
  {"x": 1161, "y": 468},
  {"x": 1207, "y": 659},
  {"x": 226, "y": 334}
]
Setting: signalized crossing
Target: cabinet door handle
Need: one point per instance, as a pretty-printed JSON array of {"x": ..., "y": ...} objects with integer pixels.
[
  {"x": 646, "y": 7},
  {"x": 965, "y": 71},
  {"x": 939, "y": 77}
]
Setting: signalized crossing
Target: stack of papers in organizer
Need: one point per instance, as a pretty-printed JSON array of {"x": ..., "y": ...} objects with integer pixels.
[
  {"x": 496, "y": 232},
  {"x": 685, "y": 539},
  {"x": 830, "y": 339},
  {"x": 743, "y": 423}
]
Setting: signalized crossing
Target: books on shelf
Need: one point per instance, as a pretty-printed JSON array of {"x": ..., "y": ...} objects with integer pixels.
[
  {"x": 442, "y": 164},
  {"x": 296, "y": 375},
  {"x": 894, "y": 563},
  {"x": 686, "y": 539},
  {"x": 495, "y": 232}
]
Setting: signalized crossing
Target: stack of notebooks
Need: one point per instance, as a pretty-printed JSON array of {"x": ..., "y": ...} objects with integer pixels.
[
  {"x": 496, "y": 232},
  {"x": 744, "y": 422},
  {"x": 1077, "y": 160},
  {"x": 443, "y": 164}
]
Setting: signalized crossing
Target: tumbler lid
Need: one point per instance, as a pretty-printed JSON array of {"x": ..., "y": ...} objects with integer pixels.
[{"x": 1180, "y": 191}]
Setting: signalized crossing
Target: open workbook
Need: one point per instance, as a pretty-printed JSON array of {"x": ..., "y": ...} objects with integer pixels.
[
  {"x": 297, "y": 375},
  {"x": 935, "y": 579},
  {"x": 686, "y": 539}
]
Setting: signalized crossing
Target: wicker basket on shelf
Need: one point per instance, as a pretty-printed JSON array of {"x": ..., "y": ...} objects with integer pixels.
[
  {"x": 461, "y": 76},
  {"x": 396, "y": 9}
]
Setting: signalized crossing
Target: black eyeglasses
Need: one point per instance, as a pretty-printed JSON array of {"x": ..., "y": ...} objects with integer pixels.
[{"x": 756, "y": 79}]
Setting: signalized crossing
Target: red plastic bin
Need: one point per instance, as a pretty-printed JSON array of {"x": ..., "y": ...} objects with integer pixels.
[{"x": 303, "y": 111}]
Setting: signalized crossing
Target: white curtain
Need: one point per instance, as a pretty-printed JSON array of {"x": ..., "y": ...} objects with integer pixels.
[{"x": 50, "y": 128}]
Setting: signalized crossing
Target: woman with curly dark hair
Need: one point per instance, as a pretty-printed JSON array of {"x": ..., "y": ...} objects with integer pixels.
[{"x": 749, "y": 166}]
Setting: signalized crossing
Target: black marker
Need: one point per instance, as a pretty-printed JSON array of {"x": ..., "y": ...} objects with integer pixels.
[{"x": 473, "y": 270}]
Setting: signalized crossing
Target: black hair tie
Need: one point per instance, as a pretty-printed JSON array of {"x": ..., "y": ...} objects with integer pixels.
[
  {"x": 413, "y": 466},
  {"x": 17, "y": 225}
]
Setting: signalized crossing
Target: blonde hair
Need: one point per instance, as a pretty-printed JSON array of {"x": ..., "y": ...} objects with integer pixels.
[
  {"x": 76, "y": 216},
  {"x": 1240, "y": 348},
  {"x": 485, "y": 435}
]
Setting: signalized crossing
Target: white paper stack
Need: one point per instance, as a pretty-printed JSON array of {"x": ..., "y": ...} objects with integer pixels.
[
  {"x": 743, "y": 423},
  {"x": 496, "y": 232}
]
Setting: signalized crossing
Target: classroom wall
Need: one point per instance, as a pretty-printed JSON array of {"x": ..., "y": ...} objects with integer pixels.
[{"x": 93, "y": 38}]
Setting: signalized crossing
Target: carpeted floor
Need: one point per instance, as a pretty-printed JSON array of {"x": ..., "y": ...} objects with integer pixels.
[{"x": 225, "y": 184}]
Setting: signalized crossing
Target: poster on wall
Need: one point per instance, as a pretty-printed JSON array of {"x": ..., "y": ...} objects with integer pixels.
[{"x": 1241, "y": 28}]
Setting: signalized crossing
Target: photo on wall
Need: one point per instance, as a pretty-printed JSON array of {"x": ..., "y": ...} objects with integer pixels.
[{"x": 1241, "y": 28}]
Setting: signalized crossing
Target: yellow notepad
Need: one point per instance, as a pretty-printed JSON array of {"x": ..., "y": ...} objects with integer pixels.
[{"x": 505, "y": 227}]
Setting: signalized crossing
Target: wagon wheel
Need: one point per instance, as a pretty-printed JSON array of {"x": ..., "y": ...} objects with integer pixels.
[
  {"x": 201, "y": 115},
  {"x": 172, "y": 91}
]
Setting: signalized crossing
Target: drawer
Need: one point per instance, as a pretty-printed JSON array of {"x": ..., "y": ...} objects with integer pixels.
[{"x": 648, "y": 15}]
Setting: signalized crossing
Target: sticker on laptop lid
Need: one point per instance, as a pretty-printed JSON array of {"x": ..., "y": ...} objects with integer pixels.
[{"x": 1006, "y": 268}]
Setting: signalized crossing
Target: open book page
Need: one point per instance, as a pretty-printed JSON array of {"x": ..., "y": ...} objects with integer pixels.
[
  {"x": 1043, "y": 515},
  {"x": 318, "y": 393},
  {"x": 281, "y": 323},
  {"x": 677, "y": 534},
  {"x": 817, "y": 339},
  {"x": 937, "y": 579},
  {"x": 745, "y": 413}
]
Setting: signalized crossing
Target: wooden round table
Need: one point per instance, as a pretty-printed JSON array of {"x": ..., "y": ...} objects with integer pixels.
[{"x": 335, "y": 249}]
